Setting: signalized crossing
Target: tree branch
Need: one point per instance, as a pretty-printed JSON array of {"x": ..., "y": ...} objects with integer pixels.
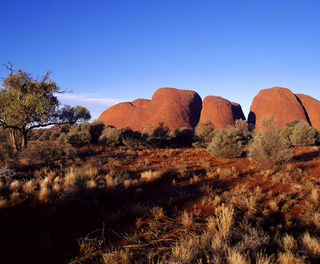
[{"x": 9, "y": 66}]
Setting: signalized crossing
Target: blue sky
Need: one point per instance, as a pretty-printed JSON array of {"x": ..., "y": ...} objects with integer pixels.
[{"x": 118, "y": 50}]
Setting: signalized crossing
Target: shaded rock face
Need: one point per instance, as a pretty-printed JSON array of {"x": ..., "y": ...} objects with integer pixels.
[
  {"x": 220, "y": 112},
  {"x": 172, "y": 107},
  {"x": 278, "y": 102},
  {"x": 312, "y": 108}
]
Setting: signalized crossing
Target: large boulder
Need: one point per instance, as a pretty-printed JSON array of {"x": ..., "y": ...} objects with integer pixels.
[
  {"x": 312, "y": 108},
  {"x": 278, "y": 102},
  {"x": 220, "y": 112},
  {"x": 173, "y": 107}
]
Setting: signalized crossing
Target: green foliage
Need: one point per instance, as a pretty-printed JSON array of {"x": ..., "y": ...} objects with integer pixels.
[
  {"x": 110, "y": 136},
  {"x": 300, "y": 133},
  {"x": 78, "y": 137},
  {"x": 244, "y": 131},
  {"x": 229, "y": 142},
  {"x": 27, "y": 103},
  {"x": 303, "y": 134},
  {"x": 268, "y": 147},
  {"x": 204, "y": 132},
  {"x": 286, "y": 131},
  {"x": 72, "y": 115},
  {"x": 226, "y": 143}
]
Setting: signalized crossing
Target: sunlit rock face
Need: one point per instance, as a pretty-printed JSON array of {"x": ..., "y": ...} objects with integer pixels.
[
  {"x": 278, "y": 102},
  {"x": 173, "y": 107},
  {"x": 312, "y": 108},
  {"x": 220, "y": 112}
]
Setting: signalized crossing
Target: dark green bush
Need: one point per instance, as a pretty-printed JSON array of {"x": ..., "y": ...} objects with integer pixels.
[
  {"x": 131, "y": 138},
  {"x": 159, "y": 138},
  {"x": 182, "y": 137},
  {"x": 95, "y": 131}
]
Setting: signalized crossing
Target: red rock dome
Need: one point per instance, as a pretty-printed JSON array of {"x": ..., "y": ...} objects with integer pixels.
[
  {"x": 220, "y": 112},
  {"x": 173, "y": 107},
  {"x": 278, "y": 102}
]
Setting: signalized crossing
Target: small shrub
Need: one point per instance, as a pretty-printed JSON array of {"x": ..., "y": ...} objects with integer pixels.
[
  {"x": 39, "y": 152},
  {"x": 286, "y": 131},
  {"x": 229, "y": 142},
  {"x": 226, "y": 143},
  {"x": 303, "y": 134},
  {"x": 244, "y": 131},
  {"x": 131, "y": 138},
  {"x": 204, "y": 132},
  {"x": 110, "y": 136},
  {"x": 160, "y": 137},
  {"x": 182, "y": 137},
  {"x": 268, "y": 147},
  {"x": 95, "y": 130},
  {"x": 78, "y": 137}
]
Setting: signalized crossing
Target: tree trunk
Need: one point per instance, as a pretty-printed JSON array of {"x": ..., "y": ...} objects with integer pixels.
[
  {"x": 24, "y": 142},
  {"x": 13, "y": 140}
]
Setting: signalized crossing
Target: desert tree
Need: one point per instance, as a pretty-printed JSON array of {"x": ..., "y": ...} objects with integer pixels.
[{"x": 27, "y": 103}]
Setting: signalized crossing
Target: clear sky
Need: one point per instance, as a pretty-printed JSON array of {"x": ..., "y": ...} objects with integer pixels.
[{"x": 118, "y": 50}]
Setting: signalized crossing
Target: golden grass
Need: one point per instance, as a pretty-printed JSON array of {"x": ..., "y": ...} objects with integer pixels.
[
  {"x": 150, "y": 175},
  {"x": 311, "y": 245}
]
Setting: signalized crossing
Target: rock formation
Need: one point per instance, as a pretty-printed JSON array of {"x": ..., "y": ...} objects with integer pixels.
[
  {"x": 278, "y": 102},
  {"x": 220, "y": 112},
  {"x": 172, "y": 107},
  {"x": 312, "y": 108}
]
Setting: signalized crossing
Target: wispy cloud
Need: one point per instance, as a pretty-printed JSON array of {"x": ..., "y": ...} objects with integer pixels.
[{"x": 93, "y": 101}]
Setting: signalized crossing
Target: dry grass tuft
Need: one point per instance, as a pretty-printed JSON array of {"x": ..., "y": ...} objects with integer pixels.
[
  {"x": 311, "y": 245},
  {"x": 314, "y": 195},
  {"x": 261, "y": 258},
  {"x": 235, "y": 257},
  {"x": 288, "y": 243},
  {"x": 91, "y": 184},
  {"x": 224, "y": 218},
  {"x": 289, "y": 258},
  {"x": 150, "y": 175},
  {"x": 185, "y": 251},
  {"x": 315, "y": 220},
  {"x": 225, "y": 173},
  {"x": 29, "y": 187},
  {"x": 117, "y": 257},
  {"x": 15, "y": 186},
  {"x": 186, "y": 219},
  {"x": 111, "y": 181}
]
